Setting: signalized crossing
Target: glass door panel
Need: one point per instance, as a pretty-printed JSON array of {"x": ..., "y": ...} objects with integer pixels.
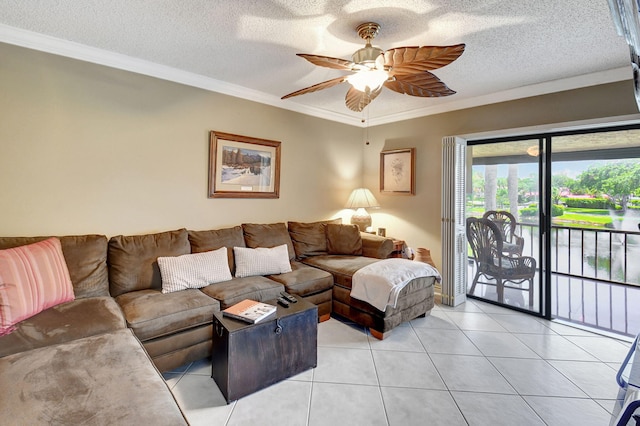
[
  {"x": 503, "y": 195},
  {"x": 595, "y": 235}
]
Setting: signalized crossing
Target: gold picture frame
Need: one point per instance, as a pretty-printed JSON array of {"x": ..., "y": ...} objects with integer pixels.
[
  {"x": 243, "y": 166},
  {"x": 397, "y": 171}
]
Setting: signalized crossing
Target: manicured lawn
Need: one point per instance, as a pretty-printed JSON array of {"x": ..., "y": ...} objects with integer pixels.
[
  {"x": 590, "y": 212},
  {"x": 597, "y": 219},
  {"x": 592, "y": 218}
]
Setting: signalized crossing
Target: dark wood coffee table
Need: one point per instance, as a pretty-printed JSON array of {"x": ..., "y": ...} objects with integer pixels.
[{"x": 248, "y": 357}]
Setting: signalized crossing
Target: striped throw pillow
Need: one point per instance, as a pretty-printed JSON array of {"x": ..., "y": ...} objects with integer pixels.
[
  {"x": 261, "y": 261},
  {"x": 33, "y": 277},
  {"x": 194, "y": 270}
]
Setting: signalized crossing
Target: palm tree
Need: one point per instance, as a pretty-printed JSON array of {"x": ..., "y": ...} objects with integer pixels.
[
  {"x": 490, "y": 186},
  {"x": 512, "y": 188}
]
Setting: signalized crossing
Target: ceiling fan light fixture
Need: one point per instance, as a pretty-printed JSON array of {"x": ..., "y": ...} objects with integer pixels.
[
  {"x": 367, "y": 55},
  {"x": 372, "y": 79}
]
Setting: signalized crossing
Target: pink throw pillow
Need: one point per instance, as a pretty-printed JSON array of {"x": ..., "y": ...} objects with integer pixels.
[{"x": 33, "y": 278}]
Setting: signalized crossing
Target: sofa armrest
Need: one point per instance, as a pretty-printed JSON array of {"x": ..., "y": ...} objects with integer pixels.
[{"x": 376, "y": 246}]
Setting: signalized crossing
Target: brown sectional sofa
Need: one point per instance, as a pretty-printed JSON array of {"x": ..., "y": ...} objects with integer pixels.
[{"x": 120, "y": 305}]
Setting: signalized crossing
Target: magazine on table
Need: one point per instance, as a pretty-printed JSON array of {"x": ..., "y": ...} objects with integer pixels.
[{"x": 250, "y": 311}]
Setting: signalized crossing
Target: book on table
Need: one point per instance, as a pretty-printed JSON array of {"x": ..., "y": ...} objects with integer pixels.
[{"x": 250, "y": 311}]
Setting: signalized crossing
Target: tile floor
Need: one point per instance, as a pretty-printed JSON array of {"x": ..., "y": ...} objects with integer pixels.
[{"x": 476, "y": 364}]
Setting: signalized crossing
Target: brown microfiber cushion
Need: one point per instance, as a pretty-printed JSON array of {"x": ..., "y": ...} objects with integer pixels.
[
  {"x": 344, "y": 239},
  {"x": 86, "y": 257},
  {"x": 133, "y": 260},
  {"x": 99, "y": 380},
  {"x": 268, "y": 235},
  {"x": 214, "y": 239},
  {"x": 310, "y": 239}
]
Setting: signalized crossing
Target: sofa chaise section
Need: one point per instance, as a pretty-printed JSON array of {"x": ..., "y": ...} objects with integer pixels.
[
  {"x": 349, "y": 250},
  {"x": 100, "y": 380}
]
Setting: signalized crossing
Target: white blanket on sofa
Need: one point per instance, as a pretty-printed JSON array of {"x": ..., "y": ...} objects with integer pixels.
[{"x": 380, "y": 283}]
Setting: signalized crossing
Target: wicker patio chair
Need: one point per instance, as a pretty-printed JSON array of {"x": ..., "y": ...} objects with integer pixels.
[
  {"x": 512, "y": 244},
  {"x": 493, "y": 265}
]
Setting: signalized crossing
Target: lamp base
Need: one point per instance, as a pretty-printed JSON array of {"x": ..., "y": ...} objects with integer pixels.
[{"x": 363, "y": 221}]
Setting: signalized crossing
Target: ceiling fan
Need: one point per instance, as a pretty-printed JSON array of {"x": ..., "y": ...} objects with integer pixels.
[{"x": 403, "y": 69}]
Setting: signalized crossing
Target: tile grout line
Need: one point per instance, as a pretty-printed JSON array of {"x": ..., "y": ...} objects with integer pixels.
[
  {"x": 310, "y": 398},
  {"x": 447, "y": 389},
  {"x": 522, "y": 397},
  {"x": 547, "y": 361}
]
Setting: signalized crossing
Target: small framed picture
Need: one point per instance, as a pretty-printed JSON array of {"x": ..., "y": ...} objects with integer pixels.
[
  {"x": 243, "y": 167},
  {"x": 397, "y": 171}
]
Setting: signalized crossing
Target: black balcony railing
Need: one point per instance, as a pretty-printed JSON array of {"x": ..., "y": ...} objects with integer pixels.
[
  {"x": 601, "y": 254},
  {"x": 595, "y": 275}
]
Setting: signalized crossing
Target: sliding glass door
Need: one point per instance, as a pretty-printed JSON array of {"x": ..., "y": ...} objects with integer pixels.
[
  {"x": 574, "y": 198},
  {"x": 503, "y": 199}
]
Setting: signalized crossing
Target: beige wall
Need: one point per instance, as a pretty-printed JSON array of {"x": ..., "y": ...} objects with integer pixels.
[
  {"x": 90, "y": 149},
  {"x": 86, "y": 148}
]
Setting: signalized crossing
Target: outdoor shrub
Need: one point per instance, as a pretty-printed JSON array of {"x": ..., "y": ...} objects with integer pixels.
[
  {"x": 588, "y": 203},
  {"x": 530, "y": 211},
  {"x": 557, "y": 210}
]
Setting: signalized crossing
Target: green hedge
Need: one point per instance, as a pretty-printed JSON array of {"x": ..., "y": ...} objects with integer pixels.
[
  {"x": 557, "y": 210},
  {"x": 588, "y": 203},
  {"x": 532, "y": 210}
]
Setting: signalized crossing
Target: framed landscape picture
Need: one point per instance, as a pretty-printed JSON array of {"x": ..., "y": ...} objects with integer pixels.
[
  {"x": 397, "y": 171},
  {"x": 243, "y": 167}
]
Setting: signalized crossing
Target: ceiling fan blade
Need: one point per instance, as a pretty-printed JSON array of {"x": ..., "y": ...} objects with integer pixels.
[
  {"x": 357, "y": 100},
  {"x": 328, "y": 62},
  {"x": 424, "y": 84},
  {"x": 411, "y": 60},
  {"x": 316, "y": 87}
]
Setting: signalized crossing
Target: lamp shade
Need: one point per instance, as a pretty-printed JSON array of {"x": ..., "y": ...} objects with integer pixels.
[{"x": 362, "y": 198}]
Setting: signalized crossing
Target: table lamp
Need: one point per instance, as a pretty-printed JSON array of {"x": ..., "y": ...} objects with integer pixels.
[{"x": 359, "y": 200}]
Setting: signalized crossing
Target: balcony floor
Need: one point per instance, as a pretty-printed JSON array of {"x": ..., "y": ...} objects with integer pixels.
[{"x": 600, "y": 305}]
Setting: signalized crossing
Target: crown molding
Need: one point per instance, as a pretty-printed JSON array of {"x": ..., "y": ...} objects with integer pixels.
[
  {"x": 69, "y": 49},
  {"x": 57, "y": 46},
  {"x": 581, "y": 81}
]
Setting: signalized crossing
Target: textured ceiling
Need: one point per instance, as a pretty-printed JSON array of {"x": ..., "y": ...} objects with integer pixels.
[{"x": 246, "y": 48}]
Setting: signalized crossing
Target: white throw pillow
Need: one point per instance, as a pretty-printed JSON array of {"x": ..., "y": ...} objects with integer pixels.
[
  {"x": 261, "y": 261},
  {"x": 194, "y": 270}
]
